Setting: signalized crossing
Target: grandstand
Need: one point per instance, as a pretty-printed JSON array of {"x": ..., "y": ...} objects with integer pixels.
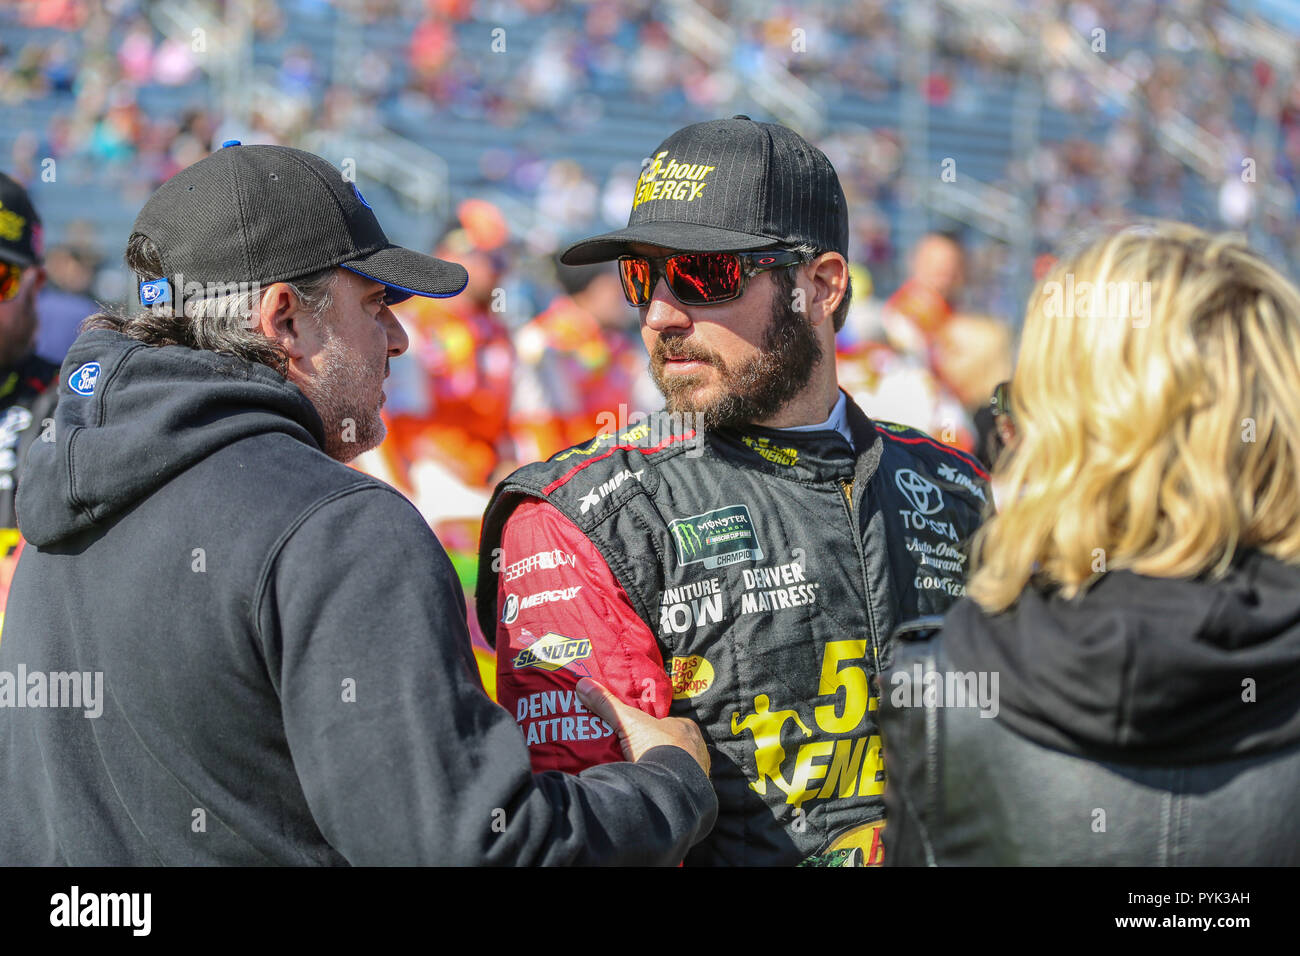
[{"x": 542, "y": 107}]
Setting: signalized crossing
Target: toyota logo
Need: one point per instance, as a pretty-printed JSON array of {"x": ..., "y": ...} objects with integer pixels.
[{"x": 920, "y": 492}]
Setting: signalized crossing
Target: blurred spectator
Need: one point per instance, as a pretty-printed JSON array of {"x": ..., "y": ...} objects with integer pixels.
[
  {"x": 66, "y": 298},
  {"x": 578, "y": 363}
]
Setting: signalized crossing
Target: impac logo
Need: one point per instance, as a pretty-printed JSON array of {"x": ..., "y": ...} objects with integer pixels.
[
  {"x": 83, "y": 380},
  {"x": 949, "y": 473},
  {"x": 552, "y": 651},
  {"x": 921, "y": 493},
  {"x": 597, "y": 494},
  {"x": 690, "y": 676},
  {"x": 717, "y": 538}
]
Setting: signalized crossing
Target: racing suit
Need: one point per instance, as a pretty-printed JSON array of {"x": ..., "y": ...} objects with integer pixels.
[
  {"x": 27, "y": 399},
  {"x": 748, "y": 579}
]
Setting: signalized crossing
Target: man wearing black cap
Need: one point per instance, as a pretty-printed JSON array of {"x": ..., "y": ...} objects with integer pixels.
[
  {"x": 744, "y": 557},
  {"x": 224, "y": 646},
  {"x": 26, "y": 398}
]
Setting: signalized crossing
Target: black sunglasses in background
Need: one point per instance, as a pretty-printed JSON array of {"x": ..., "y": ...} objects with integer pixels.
[
  {"x": 1000, "y": 403},
  {"x": 698, "y": 278}
]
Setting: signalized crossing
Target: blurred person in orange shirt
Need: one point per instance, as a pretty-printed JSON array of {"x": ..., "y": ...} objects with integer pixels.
[
  {"x": 893, "y": 360},
  {"x": 577, "y": 363},
  {"x": 449, "y": 400}
]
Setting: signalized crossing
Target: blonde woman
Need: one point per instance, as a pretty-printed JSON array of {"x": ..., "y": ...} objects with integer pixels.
[{"x": 1121, "y": 684}]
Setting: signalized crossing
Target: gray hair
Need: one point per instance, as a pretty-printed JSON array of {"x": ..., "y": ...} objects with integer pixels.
[{"x": 223, "y": 319}]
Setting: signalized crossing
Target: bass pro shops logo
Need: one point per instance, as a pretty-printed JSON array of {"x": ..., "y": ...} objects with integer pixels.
[{"x": 716, "y": 538}]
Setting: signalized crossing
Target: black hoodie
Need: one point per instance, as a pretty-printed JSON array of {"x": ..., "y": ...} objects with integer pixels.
[
  {"x": 1148, "y": 721},
  {"x": 279, "y": 646},
  {"x": 1152, "y": 670}
]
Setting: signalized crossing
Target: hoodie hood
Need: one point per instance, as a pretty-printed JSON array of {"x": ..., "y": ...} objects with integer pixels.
[
  {"x": 1142, "y": 669},
  {"x": 130, "y": 417}
]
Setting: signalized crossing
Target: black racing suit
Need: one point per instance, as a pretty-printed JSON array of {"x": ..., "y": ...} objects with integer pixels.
[
  {"x": 748, "y": 580},
  {"x": 27, "y": 399}
]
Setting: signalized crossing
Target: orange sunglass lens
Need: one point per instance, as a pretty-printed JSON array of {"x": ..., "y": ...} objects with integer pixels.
[{"x": 636, "y": 280}]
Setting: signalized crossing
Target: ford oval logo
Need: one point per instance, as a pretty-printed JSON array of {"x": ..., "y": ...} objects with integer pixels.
[{"x": 83, "y": 380}]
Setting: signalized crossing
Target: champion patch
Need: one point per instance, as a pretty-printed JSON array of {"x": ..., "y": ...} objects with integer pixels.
[
  {"x": 83, "y": 380},
  {"x": 716, "y": 538}
]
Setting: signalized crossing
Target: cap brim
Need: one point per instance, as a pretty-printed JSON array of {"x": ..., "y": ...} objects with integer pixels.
[
  {"x": 683, "y": 236},
  {"x": 408, "y": 273}
]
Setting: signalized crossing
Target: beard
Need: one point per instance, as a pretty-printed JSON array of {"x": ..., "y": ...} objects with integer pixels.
[
  {"x": 753, "y": 391},
  {"x": 347, "y": 392}
]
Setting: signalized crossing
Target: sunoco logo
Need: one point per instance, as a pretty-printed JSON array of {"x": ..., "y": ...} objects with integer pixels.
[
  {"x": 552, "y": 651},
  {"x": 717, "y": 538}
]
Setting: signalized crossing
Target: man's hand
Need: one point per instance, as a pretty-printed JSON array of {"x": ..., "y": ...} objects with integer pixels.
[{"x": 638, "y": 731}]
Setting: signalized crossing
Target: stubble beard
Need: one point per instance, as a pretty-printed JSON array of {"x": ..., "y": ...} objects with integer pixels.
[
  {"x": 342, "y": 393},
  {"x": 753, "y": 391}
]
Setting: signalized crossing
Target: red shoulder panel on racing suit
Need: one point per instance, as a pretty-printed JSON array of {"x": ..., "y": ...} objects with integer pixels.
[{"x": 565, "y": 616}]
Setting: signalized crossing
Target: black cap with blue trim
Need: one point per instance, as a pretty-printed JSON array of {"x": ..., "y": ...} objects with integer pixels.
[{"x": 263, "y": 214}]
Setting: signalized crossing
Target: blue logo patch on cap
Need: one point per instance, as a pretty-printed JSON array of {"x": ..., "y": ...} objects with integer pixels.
[
  {"x": 83, "y": 380},
  {"x": 155, "y": 292},
  {"x": 357, "y": 192}
]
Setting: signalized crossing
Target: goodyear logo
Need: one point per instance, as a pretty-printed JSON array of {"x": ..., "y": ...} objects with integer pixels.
[
  {"x": 777, "y": 456},
  {"x": 552, "y": 651},
  {"x": 690, "y": 676},
  {"x": 666, "y": 178},
  {"x": 716, "y": 538}
]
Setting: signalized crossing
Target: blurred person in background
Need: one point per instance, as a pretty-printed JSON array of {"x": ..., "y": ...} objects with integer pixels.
[
  {"x": 1132, "y": 624},
  {"x": 896, "y": 369},
  {"x": 65, "y": 301},
  {"x": 581, "y": 358},
  {"x": 27, "y": 392}
]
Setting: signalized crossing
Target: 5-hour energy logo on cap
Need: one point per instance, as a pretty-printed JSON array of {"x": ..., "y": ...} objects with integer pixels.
[{"x": 667, "y": 179}]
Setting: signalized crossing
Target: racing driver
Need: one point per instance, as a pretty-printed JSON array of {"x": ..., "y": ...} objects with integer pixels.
[{"x": 742, "y": 557}]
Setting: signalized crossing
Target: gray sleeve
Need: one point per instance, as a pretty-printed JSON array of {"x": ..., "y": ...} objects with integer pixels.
[{"x": 402, "y": 756}]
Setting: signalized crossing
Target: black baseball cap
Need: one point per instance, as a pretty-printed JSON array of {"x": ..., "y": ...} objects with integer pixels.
[
  {"x": 20, "y": 227},
  {"x": 262, "y": 214},
  {"x": 728, "y": 185}
]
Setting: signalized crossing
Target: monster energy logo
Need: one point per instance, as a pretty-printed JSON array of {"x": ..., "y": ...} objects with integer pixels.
[{"x": 717, "y": 538}]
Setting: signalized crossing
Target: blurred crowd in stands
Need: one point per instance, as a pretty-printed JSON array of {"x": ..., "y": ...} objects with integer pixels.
[{"x": 522, "y": 363}]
